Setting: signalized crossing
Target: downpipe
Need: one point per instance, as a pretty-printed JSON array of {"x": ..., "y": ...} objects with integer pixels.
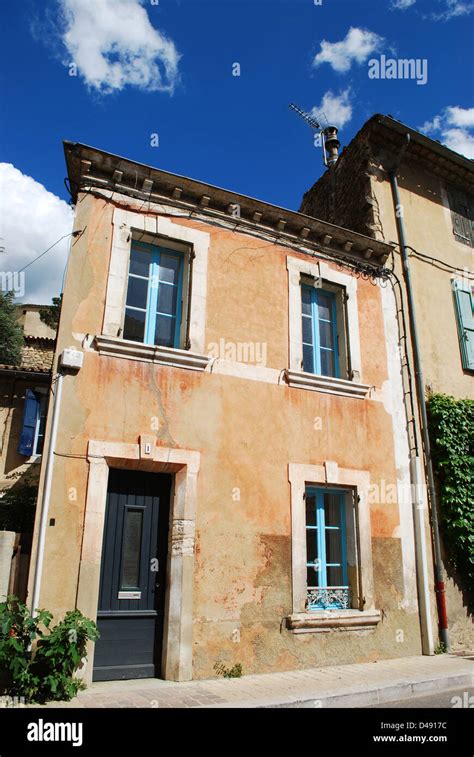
[
  {"x": 414, "y": 466},
  {"x": 46, "y": 494},
  {"x": 422, "y": 573}
]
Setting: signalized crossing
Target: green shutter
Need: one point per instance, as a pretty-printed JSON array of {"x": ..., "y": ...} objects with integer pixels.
[{"x": 464, "y": 309}]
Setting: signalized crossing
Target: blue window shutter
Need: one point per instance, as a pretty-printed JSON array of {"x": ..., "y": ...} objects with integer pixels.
[
  {"x": 28, "y": 427},
  {"x": 464, "y": 311}
]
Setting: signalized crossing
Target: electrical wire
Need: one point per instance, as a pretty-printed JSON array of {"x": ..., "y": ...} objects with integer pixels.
[
  {"x": 72, "y": 233},
  {"x": 432, "y": 259}
]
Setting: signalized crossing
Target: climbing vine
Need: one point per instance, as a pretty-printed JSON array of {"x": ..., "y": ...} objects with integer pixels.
[{"x": 451, "y": 424}]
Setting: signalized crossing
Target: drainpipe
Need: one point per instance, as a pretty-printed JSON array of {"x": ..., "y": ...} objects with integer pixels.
[
  {"x": 415, "y": 462},
  {"x": 46, "y": 494},
  {"x": 71, "y": 359}
]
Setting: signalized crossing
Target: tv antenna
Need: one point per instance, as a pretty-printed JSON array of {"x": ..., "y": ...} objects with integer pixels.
[{"x": 329, "y": 140}]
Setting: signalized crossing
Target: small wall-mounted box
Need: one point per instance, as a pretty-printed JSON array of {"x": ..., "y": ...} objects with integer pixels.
[{"x": 71, "y": 358}]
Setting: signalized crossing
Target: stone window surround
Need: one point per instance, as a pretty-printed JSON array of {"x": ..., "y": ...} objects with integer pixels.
[
  {"x": 125, "y": 222},
  {"x": 184, "y": 464},
  {"x": 295, "y": 376},
  {"x": 329, "y": 474}
]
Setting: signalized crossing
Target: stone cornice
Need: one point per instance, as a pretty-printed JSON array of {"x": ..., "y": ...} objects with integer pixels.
[{"x": 92, "y": 169}]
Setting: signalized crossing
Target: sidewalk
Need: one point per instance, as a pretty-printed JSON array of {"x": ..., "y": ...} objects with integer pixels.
[{"x": 340, "y": 686}]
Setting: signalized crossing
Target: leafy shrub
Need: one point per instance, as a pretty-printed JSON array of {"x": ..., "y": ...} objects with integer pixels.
[
  {"x": 11, "y": 333},
  {"x": 45, "y": 670}
]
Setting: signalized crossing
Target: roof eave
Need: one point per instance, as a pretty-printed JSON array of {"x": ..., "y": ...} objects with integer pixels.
[{"x": 87, "y": 165}]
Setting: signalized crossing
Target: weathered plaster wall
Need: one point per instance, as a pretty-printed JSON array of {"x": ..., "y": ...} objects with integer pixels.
[{"x": 246, "y": 431}]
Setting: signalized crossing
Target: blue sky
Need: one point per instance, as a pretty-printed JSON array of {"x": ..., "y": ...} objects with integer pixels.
[{"x": 170, "y": 73}]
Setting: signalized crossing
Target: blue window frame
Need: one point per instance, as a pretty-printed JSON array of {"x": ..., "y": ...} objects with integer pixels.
[
  {"x": 153, "y": 307},
  {"x": 326, "y": 549},
  {"x": 320, "y": 346},
  {"x": 33, "y": 424}
]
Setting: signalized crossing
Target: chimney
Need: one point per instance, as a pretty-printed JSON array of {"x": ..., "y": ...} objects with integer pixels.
[{"x": 332, "y": 145}]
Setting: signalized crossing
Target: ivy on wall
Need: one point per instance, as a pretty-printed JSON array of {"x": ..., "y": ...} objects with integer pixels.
[{"x": 451, "y": 425}]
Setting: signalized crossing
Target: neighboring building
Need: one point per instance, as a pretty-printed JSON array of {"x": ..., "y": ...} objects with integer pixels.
[
  {"x": 24, "y": 396},
  {"x": 436, "y": 188},
  {"x": 217, "y": 453}
]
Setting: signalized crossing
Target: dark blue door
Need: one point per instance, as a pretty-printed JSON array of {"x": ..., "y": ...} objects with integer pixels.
[{"x": 132, "y": 583}]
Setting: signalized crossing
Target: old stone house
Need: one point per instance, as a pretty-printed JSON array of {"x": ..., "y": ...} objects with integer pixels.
[
  {"x": 435, "y": 206},
  {"x": 24, "y": 397},
  {"x": 229, "y": 398}
]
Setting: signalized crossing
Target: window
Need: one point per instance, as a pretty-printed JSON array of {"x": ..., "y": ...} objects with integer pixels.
[
  {"x": 33, "y": 424},
  {"x": 323, "y": 316},
  {"x": 323, "y": 325},
  {"x": 462, "y": 216},
  {"x": 326, "y": 550},
  {"x": 132, "y": 548},
  {"x": 464, "y": 301},
  {"x": 153, "y": 307}
]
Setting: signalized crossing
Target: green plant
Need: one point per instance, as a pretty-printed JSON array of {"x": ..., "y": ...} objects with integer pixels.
[
  {"x": 234, "y": 672},
  {"x": 440, "y": 648},
  {"x": 45, "y": 670},
  {"x": 11, "y": 333},
  {"x": 451, "y": 425},
  {"x": 50, "y": 315},
  {"x": 18, "y": 631}
]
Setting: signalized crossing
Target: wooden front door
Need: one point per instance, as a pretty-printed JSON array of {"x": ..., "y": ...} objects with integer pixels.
[{"x": 132, "y": 582}]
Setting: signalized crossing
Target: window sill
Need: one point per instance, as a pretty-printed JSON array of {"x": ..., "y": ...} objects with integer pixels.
[
  {"x": 327, "y": 384},
  {"x": 333, "y": 620},
  {"x": 30, "y": 460},
  {"x": 150, "y": 353}
]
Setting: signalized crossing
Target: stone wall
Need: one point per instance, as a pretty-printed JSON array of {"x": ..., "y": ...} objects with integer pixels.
[
  {"x": 37, "y": 353},
  {"x": 343, "y": 194}
]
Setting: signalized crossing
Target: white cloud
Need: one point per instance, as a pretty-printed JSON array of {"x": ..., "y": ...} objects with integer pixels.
[
  {"x": 463, "y": 117},
  {"x": 31, "y": 220},
  {"x": 402, "y": 5},
  {"x": 454, "y": 9},
  {"x": 460, "y": 140},
  {"x": 336, "y": 108},
  {"x": 430, "y": 127},
  {"x": 113, "y": 44},
  {"x": 453, "y": 127},
  {"x": 356, "y": 47}
]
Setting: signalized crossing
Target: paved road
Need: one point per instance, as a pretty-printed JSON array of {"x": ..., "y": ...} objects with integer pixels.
[{"x": 442, "y": 700}]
